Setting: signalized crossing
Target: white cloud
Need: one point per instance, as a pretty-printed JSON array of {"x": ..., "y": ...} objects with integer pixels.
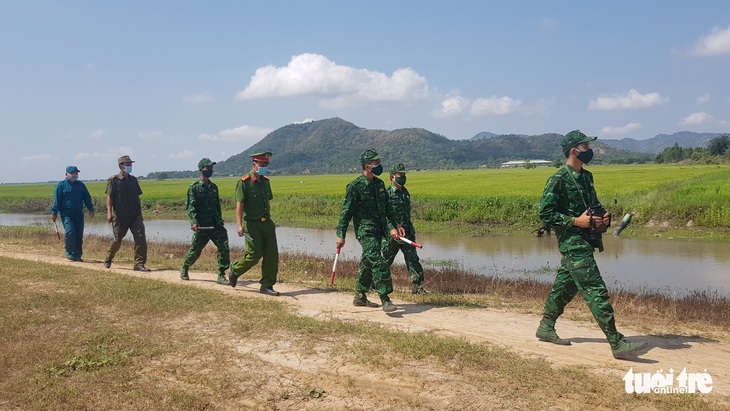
[
  {"x": 36, "y": 158},
  {"x": 151, "y": 135},
  {"x": 494, "y": 106},
  {"x": 181, "y": 155},
  {"x": 696, "y": 118},
  {"x": 197, "y": 98},
  {"x": 238, "y": 134},
  {"x": 631, "y": 101},
  {"x": 98, "y": 133},
  {"x": 714, "y": 44},
  {"x": 452, "y": 106},
  {"x": 621, "y": 130},
  {"x": 306, "y": 120},
  {"x": 704, "y": 99},
  {"x": 315, "y": 75}
]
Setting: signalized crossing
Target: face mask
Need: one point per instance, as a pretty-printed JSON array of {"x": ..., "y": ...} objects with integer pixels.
[
  {"x": 377, "y": 170},
  {"x": 128, "y": 169},
  {"x": 207, "y": 173},
  {"x": 73, "y": 177},
  {"x": 262, "y": 171},
  {"x": 585, "y": 156},
  {"x": 401, "y": 181}
]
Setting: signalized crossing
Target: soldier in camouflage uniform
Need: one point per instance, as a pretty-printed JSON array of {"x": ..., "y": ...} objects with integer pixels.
[
  {"x": 366, "y": 203},
  {"x": 564, "y": 206},
  {"x": 253, "y": 193},
  {"x": 400, "y": 200},
  {"x": 203, "y": 207}
]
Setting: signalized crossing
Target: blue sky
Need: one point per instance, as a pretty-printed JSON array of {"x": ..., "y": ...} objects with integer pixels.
[{"x": 170, "y": 82}]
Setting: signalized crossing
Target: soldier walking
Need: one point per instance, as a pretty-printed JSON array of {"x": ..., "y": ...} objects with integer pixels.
[
  {"x": 203, "y": 207},
  {"x": 366, "y": 203},
  {"x": 69, "y": 199},
  {"x": 400, "y": 200}
]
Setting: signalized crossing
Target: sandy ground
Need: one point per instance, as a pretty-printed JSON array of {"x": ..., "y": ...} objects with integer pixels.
[{"x": 516, "y": 331}]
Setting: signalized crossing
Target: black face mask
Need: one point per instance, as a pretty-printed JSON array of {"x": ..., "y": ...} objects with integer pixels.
[
  {"x": 585, "y": 156},
  {"x": 377, "y": 170},
  {"x": 401, "y": 181},
  {"x": 207, "y": 173}
]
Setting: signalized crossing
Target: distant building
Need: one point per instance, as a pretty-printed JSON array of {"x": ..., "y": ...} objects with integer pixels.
[{"x": 523, "y": 163}]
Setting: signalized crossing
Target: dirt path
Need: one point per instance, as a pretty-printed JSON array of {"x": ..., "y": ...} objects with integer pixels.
[{"x": 502, "y": 328}]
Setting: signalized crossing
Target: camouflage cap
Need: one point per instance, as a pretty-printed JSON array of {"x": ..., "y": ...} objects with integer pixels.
[
  {"x": 71, "y": 169},
  {"x": 400, "y": 168},
  {"x": 368, "y": 156},
  {"x": 205, "y": 163},
  {"x": 124, "y": 159},
  {"x": 574, "y": 138}
]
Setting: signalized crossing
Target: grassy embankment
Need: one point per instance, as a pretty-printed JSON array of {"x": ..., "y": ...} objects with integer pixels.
[
  {"x": 75, "y": 339},
  {"x": 665, "y": 199}
]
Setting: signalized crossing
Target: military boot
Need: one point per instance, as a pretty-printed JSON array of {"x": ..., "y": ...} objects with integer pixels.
[
  {"x": 362, "y": 301},
  {"x": 222, "y": 278},
  {"x": 546, "y": 332},
  {"x": 419, "y": 290},
  {"x": 624, "y": 348},
  {"x": 184, "y": 273}
]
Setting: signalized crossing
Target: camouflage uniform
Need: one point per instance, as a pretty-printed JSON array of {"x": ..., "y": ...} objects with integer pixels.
[
  {"x": 204, "y": 209},
  {"x": 564, "y": 198},
  {"x": 400, "y": 200},
  {"x": 366, "y": 204},
  {"x": 255, "y": 194}
]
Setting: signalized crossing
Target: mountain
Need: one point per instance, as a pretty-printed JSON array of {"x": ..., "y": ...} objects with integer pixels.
[
  {"x": 658, "y": 143},
  {"x": 484, "y": 134}
]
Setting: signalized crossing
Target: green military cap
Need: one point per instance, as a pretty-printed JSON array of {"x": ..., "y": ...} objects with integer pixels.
[
  {"x": 264, "y": 156},
  {"x": 400, "y": 168},
  {"x": 368, "y": 156},
  {"x": 205, "y": 163},
  {"x": 574, "y": 138},
  {"x": 124, "y": 159}
]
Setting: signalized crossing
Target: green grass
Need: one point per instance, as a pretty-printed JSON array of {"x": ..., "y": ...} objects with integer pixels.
[{"x": 477, "y": 201}]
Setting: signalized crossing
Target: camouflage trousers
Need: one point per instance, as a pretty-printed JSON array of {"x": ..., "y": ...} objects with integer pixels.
[
  {"x": 413, "y": 264},
  {"x": 374, "y": 271},
  {"x": 578, "y": 272},
  {"x": 219, "y": 236}
]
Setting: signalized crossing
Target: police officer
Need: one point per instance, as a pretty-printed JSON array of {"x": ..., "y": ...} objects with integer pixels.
[
  {"x": 124, "y": 212},
  {"x": 203, "y": 207},
  {"x": 400, "y": 200},
  {"x": 69, "y": 199},
  {"x": 366, "y": 203},
  {"x": 564, "y": 206},
  {"x": 253, "y": 216}
]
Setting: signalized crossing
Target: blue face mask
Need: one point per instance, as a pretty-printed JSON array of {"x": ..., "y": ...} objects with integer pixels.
[
  {"x": 262, "y": 171},
  {"x": 128, "y": 169},
  {"x": 73, "y": 177}
]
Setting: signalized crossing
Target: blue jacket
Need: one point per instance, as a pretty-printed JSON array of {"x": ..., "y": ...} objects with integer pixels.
[{"x": 69, "y": 198}]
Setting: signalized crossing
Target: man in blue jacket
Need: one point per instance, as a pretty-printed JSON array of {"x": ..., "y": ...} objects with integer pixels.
[{"x": 69, "y": 199}]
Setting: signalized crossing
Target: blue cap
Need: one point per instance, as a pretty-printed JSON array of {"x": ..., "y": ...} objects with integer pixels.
[{"x": 71, "y": 169}]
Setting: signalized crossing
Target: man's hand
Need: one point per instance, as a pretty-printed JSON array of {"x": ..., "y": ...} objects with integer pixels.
[
  {"x": 194, "y": 227},
  {"x": 91, "y": 214},
  {"x": 109, "y": 217},
  {"x": 340, "y": 242},
  {"x": 401, "y": 231},
  {"x": 584, "y": 220},
  {"x": 53, "y": 218},
  {"x": 240, "y": 230},
  {"x": 394, "y": 233}
]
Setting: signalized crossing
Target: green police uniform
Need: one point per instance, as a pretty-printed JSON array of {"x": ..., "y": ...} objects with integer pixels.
[
  {"x": 127, "y": 216},
  {"x": 400, "y": 201},
  {"x": 366, "y": 204},
  {"x": 204, "y": 209},
  {"x": 255, "y": 193},
  {"x": 565, "y": 197}
]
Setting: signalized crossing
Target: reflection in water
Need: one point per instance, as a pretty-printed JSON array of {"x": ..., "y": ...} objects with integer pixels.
[{"x": 671, "y": 266}]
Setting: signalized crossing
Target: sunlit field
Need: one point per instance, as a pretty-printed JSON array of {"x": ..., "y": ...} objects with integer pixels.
[{"x": 675, "y": 195}]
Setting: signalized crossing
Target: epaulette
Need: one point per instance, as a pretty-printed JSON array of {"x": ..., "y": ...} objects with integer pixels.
[
  {"x": 265, "y": 177},
  {"x": 114, "y": 176},
  {"x": 246, "y": 177}
]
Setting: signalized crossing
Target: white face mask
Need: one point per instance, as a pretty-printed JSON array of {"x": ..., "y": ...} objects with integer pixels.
[
  {"x": 128, "y": 169},
  {"x": 73, "y": 177}
]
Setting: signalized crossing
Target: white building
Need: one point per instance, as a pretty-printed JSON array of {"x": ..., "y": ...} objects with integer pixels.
[{"x": 522, "y": 163}]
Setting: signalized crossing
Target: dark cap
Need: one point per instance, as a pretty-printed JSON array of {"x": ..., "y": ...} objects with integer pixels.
[
  {"x": 400, "y": 168},
  {"x": 574, "y": 138},
  {"x": 205, "y": 163},
  {"x": 124, "y": 159},
  {"x": 264, "y": 156},
  {"x": 368, "y": 156},
  {"x": 71, "y": 169}
]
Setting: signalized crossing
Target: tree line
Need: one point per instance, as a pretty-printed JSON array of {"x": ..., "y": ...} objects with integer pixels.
[{"x": 717, "y": 151}]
